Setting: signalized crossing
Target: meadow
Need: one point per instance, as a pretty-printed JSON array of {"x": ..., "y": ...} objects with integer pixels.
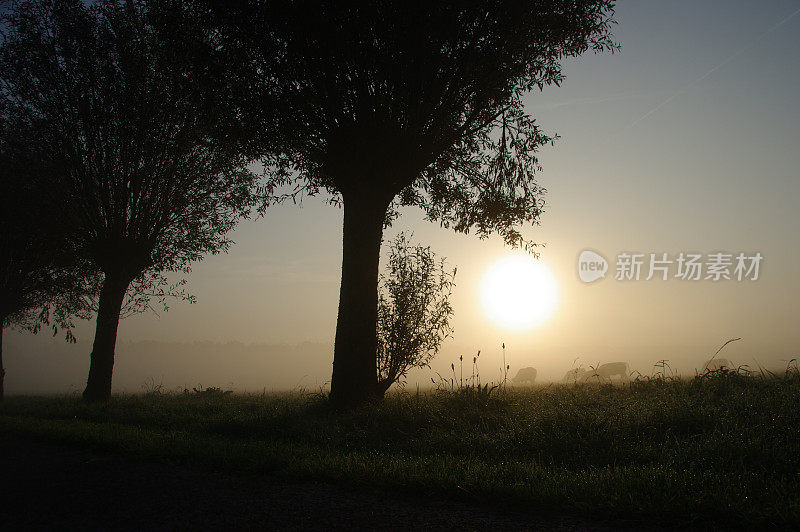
[{"x": 721, "y": 449}]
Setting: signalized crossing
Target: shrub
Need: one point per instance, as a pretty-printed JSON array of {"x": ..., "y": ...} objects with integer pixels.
[{"x": 414, "y": 310}]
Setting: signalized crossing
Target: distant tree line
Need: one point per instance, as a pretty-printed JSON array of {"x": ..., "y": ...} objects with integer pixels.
[{"x": 129, "y": 129}]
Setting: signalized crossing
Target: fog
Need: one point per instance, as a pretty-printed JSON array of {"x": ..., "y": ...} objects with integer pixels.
[{"x": 50, "y": 365}]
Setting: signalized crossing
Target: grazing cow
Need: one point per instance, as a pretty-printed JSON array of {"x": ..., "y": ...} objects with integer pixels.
[
  {"x": 574, "y": 375},
  {"x": 525, "y": 376},
  {"x": 609, "y": 371},
  {"x": 716, "y": 364}
]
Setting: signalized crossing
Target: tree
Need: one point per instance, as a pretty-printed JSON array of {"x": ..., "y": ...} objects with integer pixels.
[
  {"x": 146, "y": 183},
  {"x": 414, "y": 310},
  {"x": 389, "y": 104},
  {"x": 39, "y": 283}
]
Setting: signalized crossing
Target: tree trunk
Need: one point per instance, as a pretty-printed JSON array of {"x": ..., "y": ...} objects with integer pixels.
[
  {"x": 383, "y": 386},
  {"x": 112, "y": 295},
  {"x": 355, "y": 377},
  {"x": 2, "y": 369}
]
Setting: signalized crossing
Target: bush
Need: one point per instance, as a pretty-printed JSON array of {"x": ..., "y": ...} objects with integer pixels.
[{"x": 414, "y": 310}]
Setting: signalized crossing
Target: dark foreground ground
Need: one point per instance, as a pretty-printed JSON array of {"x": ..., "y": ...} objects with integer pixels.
[
  {"x": 55, "y": 487},
  {"x": 717, "y": 451}
]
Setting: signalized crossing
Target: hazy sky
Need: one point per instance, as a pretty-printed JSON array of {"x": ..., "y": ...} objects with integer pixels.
[{"x": 686, "y": 140}]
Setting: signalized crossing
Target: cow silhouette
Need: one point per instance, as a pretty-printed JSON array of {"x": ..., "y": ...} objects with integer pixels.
[
  {"x": 525, "y": 376},
  {"x": 716, "y": 364},
  {"x": 608, "y": 371}
]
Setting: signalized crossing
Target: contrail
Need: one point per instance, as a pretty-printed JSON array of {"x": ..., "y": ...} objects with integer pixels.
[{"x": 710, "y": 71}]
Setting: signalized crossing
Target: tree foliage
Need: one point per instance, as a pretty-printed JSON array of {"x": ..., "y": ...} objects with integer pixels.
[
  {"x": 414, "y": 310},
  {"x": 423, "y": 103},
  {"x": 40, "y": 283},
  {"x": 140, "y": 181},
  {"x": 142, "y": 177}
]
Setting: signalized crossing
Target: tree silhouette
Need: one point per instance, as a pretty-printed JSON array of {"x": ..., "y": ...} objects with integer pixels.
[
  {"x": 388, "y": 104},
  {"x": 393, "y": 104},
  {"x": 40, "y": 284},
  {"x": 145, "y": 183}
]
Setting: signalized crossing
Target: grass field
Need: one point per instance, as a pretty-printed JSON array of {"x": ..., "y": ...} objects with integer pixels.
[{"x": 723, "y": 449}]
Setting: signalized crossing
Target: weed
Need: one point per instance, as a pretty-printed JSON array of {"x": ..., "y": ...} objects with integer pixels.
[
  {"x": 151, "y": 388},
  {"x": 470, "y": 387}
]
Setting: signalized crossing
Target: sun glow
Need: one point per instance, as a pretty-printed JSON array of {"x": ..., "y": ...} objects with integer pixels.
[{"x": 519, "y": 292}]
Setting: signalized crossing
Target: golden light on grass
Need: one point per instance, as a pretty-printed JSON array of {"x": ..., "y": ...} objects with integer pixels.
[{"x": 519, "y": 292}]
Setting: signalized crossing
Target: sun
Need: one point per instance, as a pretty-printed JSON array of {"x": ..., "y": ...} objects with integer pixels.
[{"x": 519, "y": 292}]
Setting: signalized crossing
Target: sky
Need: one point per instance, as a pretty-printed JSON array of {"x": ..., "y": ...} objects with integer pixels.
[{"x": 684, "y": 141}]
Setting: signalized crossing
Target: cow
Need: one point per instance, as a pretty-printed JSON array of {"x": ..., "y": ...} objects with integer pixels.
[
  {"x": 574, "y": 375},
  {"x": 716, "y": 364},
  {"x": 608, "y": 371},
  {"x": 525, "y": 376}
]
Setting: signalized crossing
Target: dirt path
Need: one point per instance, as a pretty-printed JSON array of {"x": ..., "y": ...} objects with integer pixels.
[{"x": 45, "y": 486}]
